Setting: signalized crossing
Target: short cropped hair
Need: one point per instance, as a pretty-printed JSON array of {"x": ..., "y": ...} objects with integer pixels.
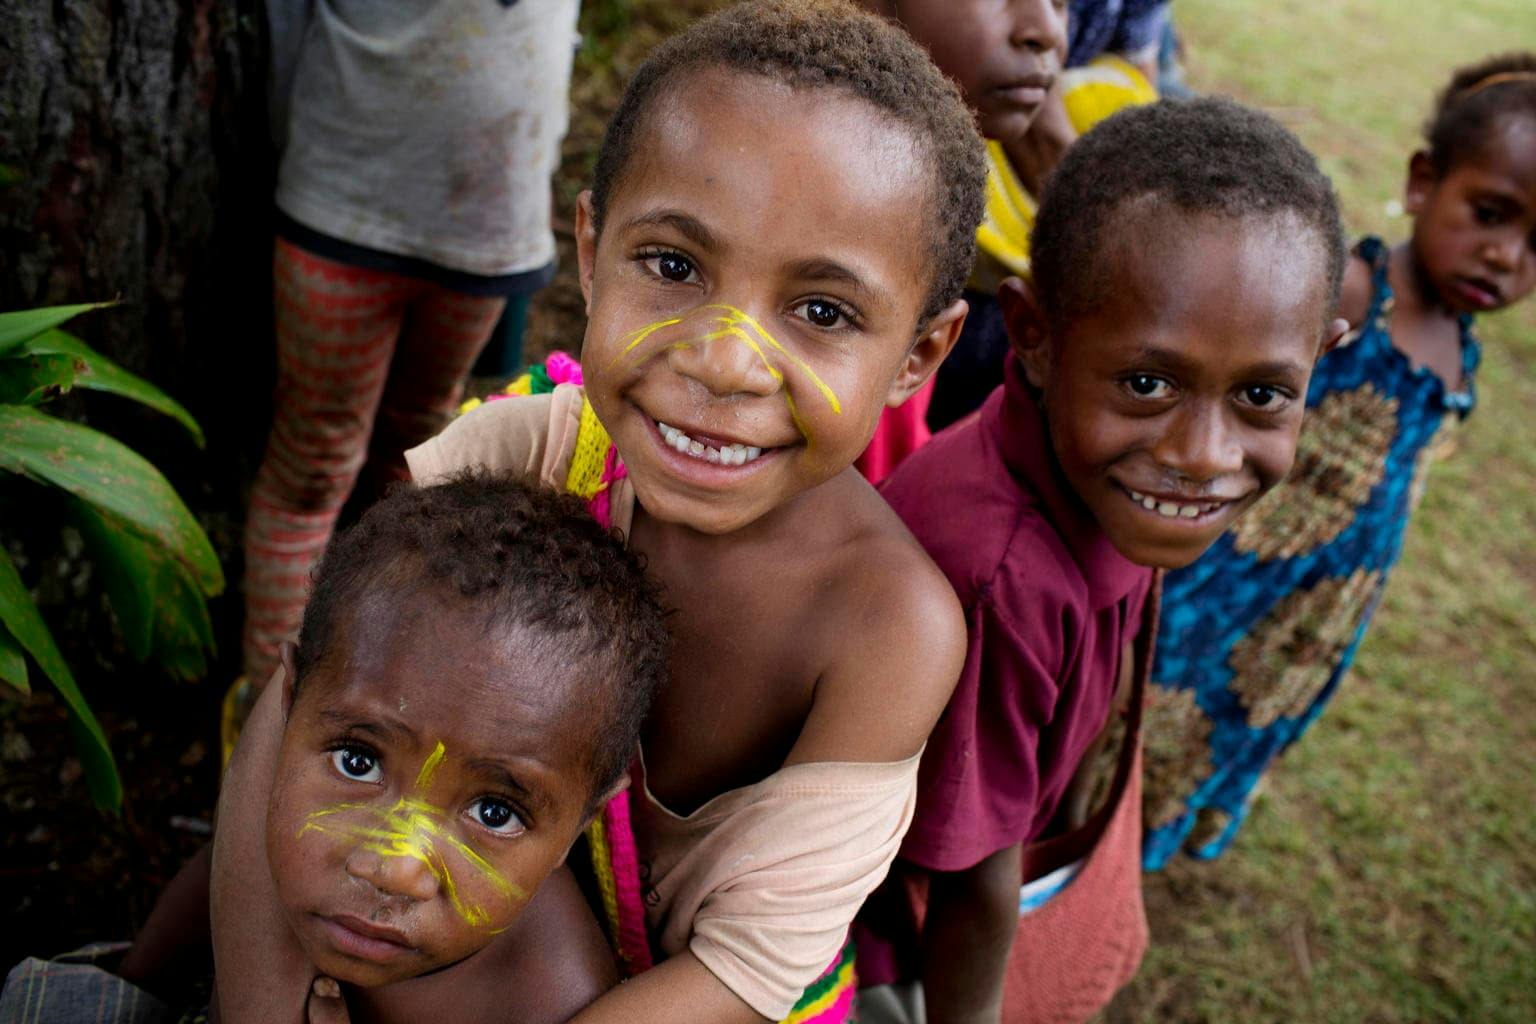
[
  {"x": 525, "y": 557},
  {"x": 1203, "y": 156},
  {"x": 828, "y": 44},
  {"x": 1476, "y": 100}
]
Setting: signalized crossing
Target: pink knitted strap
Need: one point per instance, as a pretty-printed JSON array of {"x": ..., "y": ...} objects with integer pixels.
[
  {"x": 601, "y": 505},
  {"x": 634, "y": 946}
]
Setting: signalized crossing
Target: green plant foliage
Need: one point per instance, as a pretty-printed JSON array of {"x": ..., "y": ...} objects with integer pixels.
[
  {"x": 21, "y": 618},
  {"x": 13, "y": 666},
  {"x": 106, "y": 473},
  {"x": 25, "y": 324},
  {"x": 94, "y": 371},
  {"x": 156, "y": 563}
]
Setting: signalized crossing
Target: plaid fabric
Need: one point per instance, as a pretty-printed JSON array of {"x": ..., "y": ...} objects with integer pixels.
[{"x": 72, "y": 989}]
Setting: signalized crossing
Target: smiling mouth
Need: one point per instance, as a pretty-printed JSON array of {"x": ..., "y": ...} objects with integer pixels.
[
  {"x": 1176, "y": 509},
  {"x": 710, "y": 450}
]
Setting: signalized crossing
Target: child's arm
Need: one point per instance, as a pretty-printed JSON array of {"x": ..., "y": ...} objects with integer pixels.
[
  {"x": 260, "y": 972},
  {"x": 679, "y": 988},
  {"x": 972, "y": 916}
]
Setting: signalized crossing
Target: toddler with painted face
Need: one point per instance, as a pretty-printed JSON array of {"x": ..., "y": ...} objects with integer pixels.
[{"x": 466, "y": 692}]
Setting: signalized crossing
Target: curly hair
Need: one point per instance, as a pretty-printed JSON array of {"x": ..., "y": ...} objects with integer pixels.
[
  {"x": 1210, "y": 156},
  {"x": 1476, "y": 100},
  {"x": 528, "y": 558},
  {"x": 827, "y": 44}
]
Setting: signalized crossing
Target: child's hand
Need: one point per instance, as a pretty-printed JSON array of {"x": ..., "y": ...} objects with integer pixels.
[{"x": 325, "y": 1003}]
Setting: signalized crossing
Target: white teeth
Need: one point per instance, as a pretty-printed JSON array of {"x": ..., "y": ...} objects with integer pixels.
[
  {"x": 1171, "y": 509},
  {"x": 730, "y": 455}
]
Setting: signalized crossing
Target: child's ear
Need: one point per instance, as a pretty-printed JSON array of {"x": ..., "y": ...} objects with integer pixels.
[
  {"x": 1332, "y": 335},
  {"x": 928, "y": 351},
  {"x": 598, "y": 805},
  {"x": 286, "y": 652},
  {"x": 1029, "y": 333},
  {"x": 1421, "y": 181},
  {"x": 586, "y": 245}
]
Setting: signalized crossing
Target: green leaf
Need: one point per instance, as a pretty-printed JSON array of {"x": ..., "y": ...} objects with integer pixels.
[
  {"x": 21, "y": 618},
  {"x": 159, "y": 608},
  {"x": 98, "y": 373},
  {"x": 110, "y": 475},
  {"x": 16, "y": 327},
  {"x": 13, "y": 665},
  {"x": 30, "y": 379}
]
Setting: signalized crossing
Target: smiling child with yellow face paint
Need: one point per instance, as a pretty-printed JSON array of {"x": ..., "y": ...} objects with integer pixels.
[
  {"x": 782, "y": 217},
  {"x": 462, "y": 701}
]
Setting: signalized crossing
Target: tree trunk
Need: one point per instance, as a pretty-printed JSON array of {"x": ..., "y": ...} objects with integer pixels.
[{"x": 137, "y": 164}]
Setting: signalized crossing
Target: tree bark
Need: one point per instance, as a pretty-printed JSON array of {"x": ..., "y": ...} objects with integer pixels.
[{"x": 137, "y": 164}]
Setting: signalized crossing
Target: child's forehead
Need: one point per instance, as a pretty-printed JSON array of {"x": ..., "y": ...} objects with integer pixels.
[
  {"x": 739, "y": 119},
  {"x": 1157, "y": 242},
  {"x": 1176, "y": 273}
]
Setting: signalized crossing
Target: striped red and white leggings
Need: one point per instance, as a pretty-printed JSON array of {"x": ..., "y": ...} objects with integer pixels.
[{"x": 369, "y": 363}]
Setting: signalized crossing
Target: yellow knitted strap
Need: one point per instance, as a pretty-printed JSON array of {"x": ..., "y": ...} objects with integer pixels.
[
  {"x": 585, "y": 478},
  {"x": 602, "y": 867}
]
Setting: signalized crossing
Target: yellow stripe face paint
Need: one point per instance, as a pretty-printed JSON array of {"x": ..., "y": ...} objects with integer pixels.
[
  {"x": 415, "y": 828},
  {"x": 714, "y": 322}
]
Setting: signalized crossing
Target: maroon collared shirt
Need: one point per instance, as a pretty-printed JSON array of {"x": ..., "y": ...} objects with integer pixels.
[{"x": 1050, "y": 606}]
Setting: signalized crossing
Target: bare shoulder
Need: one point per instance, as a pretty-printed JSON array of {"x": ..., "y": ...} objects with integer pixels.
[
  {"x": 546, "y": 968},
  {"x": 1355, "y": 292},
  {"x": 895, "y": 642}
]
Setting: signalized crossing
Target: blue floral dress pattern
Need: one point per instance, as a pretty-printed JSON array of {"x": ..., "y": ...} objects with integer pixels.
[{"x": 1256, "y": 635}]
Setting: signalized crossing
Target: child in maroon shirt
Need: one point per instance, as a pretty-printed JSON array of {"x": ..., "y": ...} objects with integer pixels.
[{"x": 1187, "y": 259}]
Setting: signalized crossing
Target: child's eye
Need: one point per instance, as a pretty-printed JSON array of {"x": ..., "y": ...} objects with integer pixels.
[
  {"x": 496, "y": 815},
  {"x": 1144, "y": 385},
  {"x": 1488, "y": 215},
  {"x": 673, "y": 266},
  {"x": 1262, "y": 396},
  {"x": 824, "y": 313},
  {"x": 357, "y": 763}
]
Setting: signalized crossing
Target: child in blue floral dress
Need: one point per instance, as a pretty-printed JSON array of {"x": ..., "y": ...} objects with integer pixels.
[{"x": 1257, "y": 635}]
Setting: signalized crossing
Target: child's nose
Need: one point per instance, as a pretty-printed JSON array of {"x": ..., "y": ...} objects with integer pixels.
[
  {"x": 1505, "y": 251},
  {"x": 727, "y": 361},
  {"x": 1200, "y": 446},
  {"x": 407, "y": 876},
  {"x": 1038, "y": 25}
]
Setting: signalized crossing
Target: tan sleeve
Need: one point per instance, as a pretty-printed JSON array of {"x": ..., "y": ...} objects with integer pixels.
[
  {"x": 532, "y": 436},
  {"x": 788, "y": 872}
]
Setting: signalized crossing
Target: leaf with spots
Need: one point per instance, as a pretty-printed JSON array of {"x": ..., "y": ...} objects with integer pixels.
[{"x": 110, "y": 475}]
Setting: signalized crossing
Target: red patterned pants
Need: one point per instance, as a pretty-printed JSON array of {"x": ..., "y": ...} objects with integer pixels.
[{"x": 369, "y": 363}]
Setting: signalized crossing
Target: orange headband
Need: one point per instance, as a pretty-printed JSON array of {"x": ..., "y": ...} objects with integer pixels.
[{"x": 1498, "y": 78}]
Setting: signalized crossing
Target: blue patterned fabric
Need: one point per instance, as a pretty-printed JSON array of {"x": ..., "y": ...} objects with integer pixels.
[
  {"x": 1113, "y": 26},
  {"x": 1257, "y": 634}
]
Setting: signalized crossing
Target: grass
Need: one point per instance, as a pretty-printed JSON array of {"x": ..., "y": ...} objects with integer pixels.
[{"x": 1389, "y": 871}]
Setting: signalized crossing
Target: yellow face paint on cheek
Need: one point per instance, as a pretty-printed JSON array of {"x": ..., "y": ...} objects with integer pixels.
[
  {"x": 415, "y": 828},
  {"x": 726, "y": 321}
]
